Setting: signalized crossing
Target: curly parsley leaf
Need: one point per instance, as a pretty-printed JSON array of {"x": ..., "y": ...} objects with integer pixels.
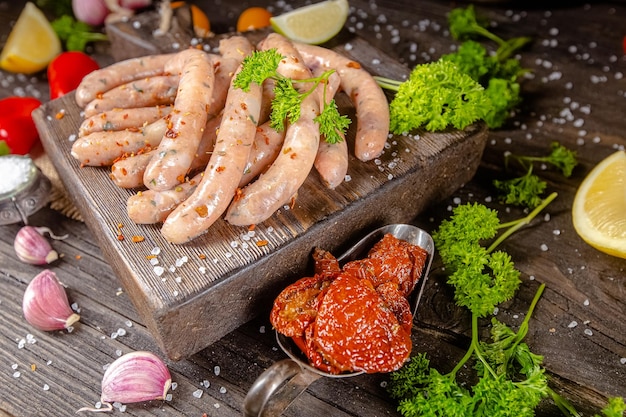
[
  {"x": 75, "y": 34},
  {"x": 286, "y": 104},
  {"x": 524, "y": 191},
  {"x": 527, "y": 190},
  {"x": 437, "y": 95},
  {"x": 256, "y": 68},
  {"x": 332, "y": 123}
]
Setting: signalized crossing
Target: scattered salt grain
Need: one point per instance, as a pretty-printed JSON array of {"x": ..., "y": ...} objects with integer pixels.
[
  {"x": 572, "y": 324},
  {"x": 17, "y": 374},
  {"x": 586, "y": 302},
  {"x": 262, "y": 329},
  {"x": 588, "y": 332},
  {"x": 46, "y": 387},
  {"x": 622, "y": 361},
  {"x": 197, "y": 393},
  {"x": 544, "y": 247},
  {"x": 216, "y": 370},
  {"x": 159, "y": 270},
  {"x": 222, "y": 390},
  {"x": 206, "y": 383}
]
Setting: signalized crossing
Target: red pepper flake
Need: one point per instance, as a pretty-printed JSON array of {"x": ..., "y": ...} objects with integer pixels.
[
  {"x": 293, "y": 155},
  {"x": 201, "y": 256},
  {"x": 251, "y": 227},
  {"x": 292, "y": 203},
  {"x": 148, "y": 257},
  {"x": 78, "y": 257},
  {"x": 137, "y": 238},
  {"x": 238, "y": 194},
  {"x": 220, "y": 168},
  {"x": 33, "y": 367},
  {"x": 287, "y": 150},
  {"x": 354, "y": 64},
  {"x": 262, "y": 243},
  {"x": 202, "y": 210},
  {"x": 120, "y": 237},
  {"x": 60, "y": 115},
  {"x": 99, "y": 95},
  {"x": 180, "y": 178}
]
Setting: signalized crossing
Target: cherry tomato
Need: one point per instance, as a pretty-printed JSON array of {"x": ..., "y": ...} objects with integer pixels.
[
  {"x": 18, "y": 133},
  {"x": 67, "y": 70}
]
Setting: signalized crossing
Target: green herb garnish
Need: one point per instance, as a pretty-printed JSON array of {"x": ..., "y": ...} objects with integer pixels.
[
  {"x": 510, "y": 379},
  {"x": 435, "y": 96},
  {"x": 75, "y": 34},
  {"x": 527, "y": 190},
  {"x": 287, "y": 101}
]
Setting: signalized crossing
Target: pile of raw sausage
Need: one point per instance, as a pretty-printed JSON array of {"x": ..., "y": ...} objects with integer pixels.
[{"x": 197, "y": 148}]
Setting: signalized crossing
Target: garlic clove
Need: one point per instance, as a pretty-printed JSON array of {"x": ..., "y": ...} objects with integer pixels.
[
  {"x": 134, "y": 377},
  {"x": 32, "y": 247},
  {"x": 45, "y": 304}
]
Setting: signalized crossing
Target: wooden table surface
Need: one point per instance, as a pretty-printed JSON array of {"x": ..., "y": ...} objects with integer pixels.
[{"x": 576, "y": 94}]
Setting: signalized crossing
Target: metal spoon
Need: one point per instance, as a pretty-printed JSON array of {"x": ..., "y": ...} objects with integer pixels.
[{"x": 263, "y": 398}]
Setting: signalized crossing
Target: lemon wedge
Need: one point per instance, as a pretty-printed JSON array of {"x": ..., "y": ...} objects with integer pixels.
[
  {"x": 32, "y": 43},
  {"x": 599, "y": 209},
  {"x": 313, "y": 24}
]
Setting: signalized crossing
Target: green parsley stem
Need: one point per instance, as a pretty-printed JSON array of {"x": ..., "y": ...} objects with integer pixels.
[
  {"x": 387, "y": 83},
  {"x": 515, "y": 225}
]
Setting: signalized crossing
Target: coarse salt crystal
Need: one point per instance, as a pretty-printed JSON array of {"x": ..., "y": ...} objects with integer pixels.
[
  {"x": 572, "y": 324},
  {"x": 216, "y": 370},
  {"x": 588, "y": 332},
  {"x": 222, "y": 390},
  {"x": 197, "y": 393}
]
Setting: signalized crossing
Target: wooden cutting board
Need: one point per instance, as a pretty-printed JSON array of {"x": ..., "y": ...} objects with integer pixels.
[{"x": 212, "y": 285}]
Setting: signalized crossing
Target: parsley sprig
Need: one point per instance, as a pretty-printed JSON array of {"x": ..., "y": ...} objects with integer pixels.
[
  {"x": 510, "y": 378},
  {"x": 527, "y": 189},
  {"x": 435, "y": 96},
  {"x": 476, "y": 84},
  {"x": 75, "y": 34},
  {"x": 288, "y": 97}
]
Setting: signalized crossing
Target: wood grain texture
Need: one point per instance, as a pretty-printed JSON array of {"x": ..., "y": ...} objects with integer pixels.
[{"x": 585, "y": 369}]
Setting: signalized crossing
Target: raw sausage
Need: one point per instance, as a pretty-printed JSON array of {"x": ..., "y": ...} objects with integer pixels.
[
  {"x": 152, "y": 91},
  {"x": 104, "y": 148},
  {"x": 223, "y": 172},
  {"x": 260, "y": 199},
  {"x": 120, "y": 119},
  {"x": 104, "y": 79},
  {"x": 367, "y": 97},
  {"x": 185, "y": 123}
]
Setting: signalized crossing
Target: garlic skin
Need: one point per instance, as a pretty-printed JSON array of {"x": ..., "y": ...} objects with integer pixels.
[
  {"x": 136, "y": 377},
  {"x": 92, "y": 12},
  {"x": 45, "y": 304},
  {"x": 132, "y": 378},
  {"x": 32, "y": 247}
]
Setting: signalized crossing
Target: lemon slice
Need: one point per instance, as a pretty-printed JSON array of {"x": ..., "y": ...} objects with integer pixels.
[
  {"x": 313, "y": 24},
  {"x": 599, "y": 209},
  {"x": 32, "y": 43}
]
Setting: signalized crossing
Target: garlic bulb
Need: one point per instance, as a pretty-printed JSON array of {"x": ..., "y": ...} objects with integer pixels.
[
  {"x": 32, "y": 247},
  {"x": 45, "y": 305},
  {"x": 134, "y": 377},
  {"x": 91, "y": 12}
]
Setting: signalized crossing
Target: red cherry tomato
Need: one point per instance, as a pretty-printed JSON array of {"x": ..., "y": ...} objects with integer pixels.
[
  {"x": 18, "y": 133},
  {"x": 67, "y": 70}
]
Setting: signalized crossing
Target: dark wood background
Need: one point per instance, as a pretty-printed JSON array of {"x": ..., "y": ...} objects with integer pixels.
[{"x": 576, "y": 95}]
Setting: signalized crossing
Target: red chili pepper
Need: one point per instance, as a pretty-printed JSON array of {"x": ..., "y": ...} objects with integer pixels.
[
  {"x": 18, "y": 133},
  {"x": 624, "y": 45},
  {"x": 67, "y": 70}
]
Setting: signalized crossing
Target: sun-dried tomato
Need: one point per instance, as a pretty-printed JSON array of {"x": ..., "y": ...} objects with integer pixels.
[{"x": 356, "y": 318}]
